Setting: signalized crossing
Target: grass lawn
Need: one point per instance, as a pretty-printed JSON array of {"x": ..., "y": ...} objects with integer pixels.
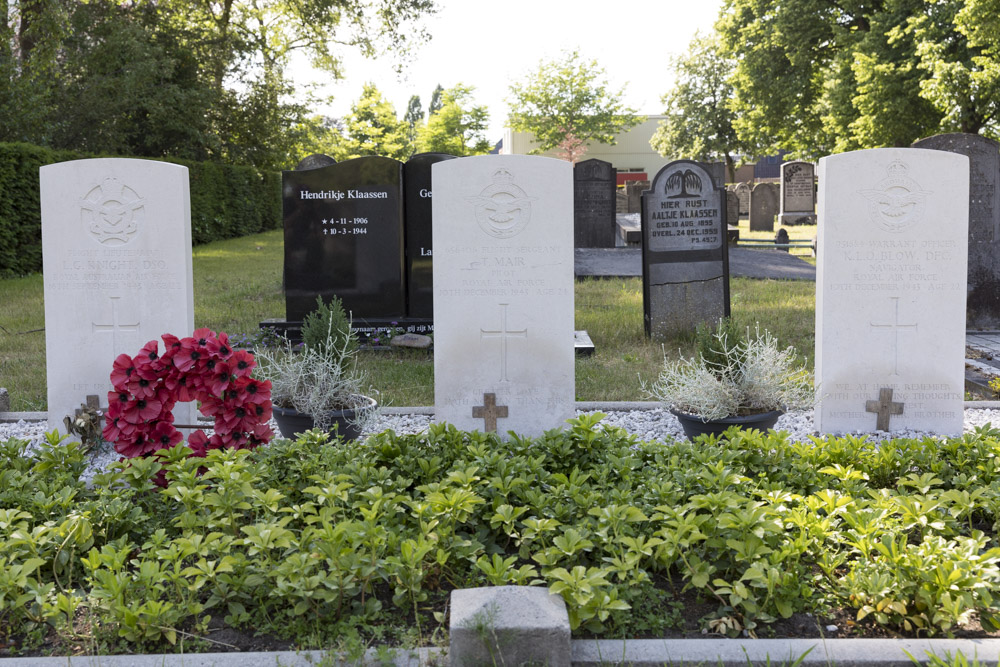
[{"x": 237, "y": 283}]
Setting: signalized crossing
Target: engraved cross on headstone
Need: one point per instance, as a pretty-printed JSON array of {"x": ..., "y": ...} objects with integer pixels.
[
  {"x": 884, "y": 407},
  {"x": 114, "y": 327},
  {"x": 895, "y": 326},
  {"x": 503, "y": 333},
  {"x": 490, "y": 411}
]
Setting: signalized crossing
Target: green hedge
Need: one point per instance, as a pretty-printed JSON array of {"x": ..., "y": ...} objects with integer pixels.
[{"x": 226, "y": 201}]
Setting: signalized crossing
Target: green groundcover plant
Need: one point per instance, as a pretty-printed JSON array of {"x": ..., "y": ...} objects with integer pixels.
[{"x": 315, "y": 540}]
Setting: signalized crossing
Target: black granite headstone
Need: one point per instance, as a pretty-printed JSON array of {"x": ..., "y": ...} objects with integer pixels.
[
  {"x": 982, "y": 309},
  {"x": 344, "y": 237},
  {"x": 685, "y": 256},
  {"x": 594, "y": 204},
  {"x": 419, "y": 267}
]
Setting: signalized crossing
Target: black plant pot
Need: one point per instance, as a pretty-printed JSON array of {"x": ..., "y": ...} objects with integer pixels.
[
  {"x": 694, "y": 426},
  {"x": 343, "y": 422}
]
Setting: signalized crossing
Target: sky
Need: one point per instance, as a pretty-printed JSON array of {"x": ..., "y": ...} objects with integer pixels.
[{"x": 490, "y": 45}]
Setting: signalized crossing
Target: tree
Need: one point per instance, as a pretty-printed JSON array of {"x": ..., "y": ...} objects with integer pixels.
[
  {"x": 816, "y": 77},
  {"x": 699, "y": 120},
  {"x": 188, "y": 78},
  {"x": 435, "y": 104},
  {"x": 372, "y": 128},
  {"x": 567, "y": 96},
  {"x": 414, "y": 116},
  {"x": 458, "y": 127}
]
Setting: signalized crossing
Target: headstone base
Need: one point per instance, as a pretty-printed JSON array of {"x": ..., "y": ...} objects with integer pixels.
[
  {"x": 582, "y": 344},
  {"x": 628, "y": 233},
  {"x": 792, "y": 219},
  {"x": 684, "y": 306},
  {"x": 367, "y": 329}
]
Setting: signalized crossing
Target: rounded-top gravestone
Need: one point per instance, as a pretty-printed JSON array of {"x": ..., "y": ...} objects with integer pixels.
[
  {"x": 314, "y": 161},
  {"x": 983, "y": 304},
  {"x": 685, "y": 257}
]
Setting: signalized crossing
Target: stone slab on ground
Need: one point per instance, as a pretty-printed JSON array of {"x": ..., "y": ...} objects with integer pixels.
[
  {"x": 743, "y": 262},
  {"x": 417, "y": 341},
  {"x": 509, "y": 625},
  {"x": 395, "y": 657},
  {"x": 743, "y": 652}
]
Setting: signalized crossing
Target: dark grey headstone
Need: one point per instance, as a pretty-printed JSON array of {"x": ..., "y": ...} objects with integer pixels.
[
  {"x": 983, "y": 301},
  {"x": 742, "y": 191},
  {"x": 594, "y": 204},
  {"x": 685, "y": 256},
  {"x": 417, "y": 204},
  {"x": 634, "y": 190},
  {"x": 344, "y": 237},
  {"x": 314, "y": 161},
  {"x": 763, "y": 207},
  {"x": 798, "y": 193},
  {"x": 781, "y": 237},
  {"x": 621, "y": 201},
  {"x": 732, "y": 207},
  {"x": 4, "y": 400}
]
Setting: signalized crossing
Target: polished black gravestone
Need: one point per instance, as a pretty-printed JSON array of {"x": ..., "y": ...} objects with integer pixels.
[
  {"x": 685, "y": 256},
  {"x": 594, "y": 204},
  {"x": 344, "y": 237},
  {"x": 419, "y": 247},
  {"x": 982, "y": 310}
]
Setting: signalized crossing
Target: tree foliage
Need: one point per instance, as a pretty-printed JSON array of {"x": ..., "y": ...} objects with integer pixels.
[
  {"x": 699, "y": 117},
  {"x": 198, "y": 79},
  {"x": 569, "y": 95},
  {"x": 818, "y": 77},
  {"x": 458, "y": 127},
  {"x": 372, "y": 128},
  {"x": 414, "y": 116}
]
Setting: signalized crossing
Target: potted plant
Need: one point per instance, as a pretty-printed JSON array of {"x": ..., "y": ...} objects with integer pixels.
[
  {"x": 317, "y": 384},
  {"x": 735, "y": 379}
]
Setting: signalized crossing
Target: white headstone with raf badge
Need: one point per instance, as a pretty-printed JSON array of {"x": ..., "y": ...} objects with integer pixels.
[
  {"x": 503, "y": 293},
  {"x": 890, "y": 291},
  {"x": 116, "y": 254}
]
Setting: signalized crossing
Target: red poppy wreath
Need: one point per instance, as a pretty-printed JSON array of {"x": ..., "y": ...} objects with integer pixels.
[{"x": 202, "y": 368}]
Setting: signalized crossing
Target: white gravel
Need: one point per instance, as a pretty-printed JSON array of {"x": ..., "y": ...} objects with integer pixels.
[{"x": 646, "y": 424}]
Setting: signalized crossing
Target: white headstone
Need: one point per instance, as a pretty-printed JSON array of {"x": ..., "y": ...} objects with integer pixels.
[
  {"x": 116, "y": 255},
  {"x": 890, "y": 290},
  {"x": 503, "y": 293}
]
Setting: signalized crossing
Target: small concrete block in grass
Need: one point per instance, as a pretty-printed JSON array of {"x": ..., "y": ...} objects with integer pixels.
[{"x": 509, "y": 625}]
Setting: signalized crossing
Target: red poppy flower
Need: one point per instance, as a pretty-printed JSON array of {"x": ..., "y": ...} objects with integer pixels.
[
  {"x": 188, "y": 355},
  {"x": 197, "y": 442},
  {"x": 164, "y": 435},
  {"x": 218, "y": 381},
  {"x": 182, "y": 386},
  {"x": 171, "y": 344},
  {"x": 141, "y": 387},
  {"x": 249, "y": 390},
  {"x": 139, "y": 446},
  {"x": 242, "y": 363},
  {"x": 203, "y": 336},
  {"x": 121, "y": 371},
  {"x": 219, "y": 345},
  {"x": 139, "y": 410},
  {"x": 118, "y": 398}
]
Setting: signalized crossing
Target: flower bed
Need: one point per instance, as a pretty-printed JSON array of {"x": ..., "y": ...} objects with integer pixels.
[{"x": 316, "y": 542}]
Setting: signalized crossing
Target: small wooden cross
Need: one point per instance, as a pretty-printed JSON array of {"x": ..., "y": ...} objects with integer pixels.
[
  {"x": 489, "y": 412},
  {"x": 884, "y": 407}
]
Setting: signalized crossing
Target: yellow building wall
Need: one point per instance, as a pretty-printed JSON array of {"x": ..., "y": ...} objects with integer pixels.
[{"x": 630, "y": 152}]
